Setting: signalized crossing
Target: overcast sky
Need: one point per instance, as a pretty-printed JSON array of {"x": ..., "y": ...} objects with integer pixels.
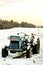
[{"x": 30, "y": 11}]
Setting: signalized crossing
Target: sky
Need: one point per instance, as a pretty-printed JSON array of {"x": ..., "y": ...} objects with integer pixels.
[{"x": 30, "y": 11}]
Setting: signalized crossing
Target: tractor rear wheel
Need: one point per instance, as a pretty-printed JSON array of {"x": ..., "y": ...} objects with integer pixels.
[
  {"x": 36, "y": 47},
  {"x": 29, "y": 53}
]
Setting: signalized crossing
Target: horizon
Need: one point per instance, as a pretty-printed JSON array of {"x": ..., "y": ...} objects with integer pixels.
[{"x": 30, "y": 11}]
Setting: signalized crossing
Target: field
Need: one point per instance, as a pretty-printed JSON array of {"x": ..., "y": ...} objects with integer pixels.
[{"x": 34, "y": 60}]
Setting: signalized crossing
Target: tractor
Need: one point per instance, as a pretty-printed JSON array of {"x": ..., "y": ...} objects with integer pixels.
[{"x": 19, "y": 44}]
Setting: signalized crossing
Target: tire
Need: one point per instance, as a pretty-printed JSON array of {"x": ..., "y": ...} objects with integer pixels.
[
  {"x": 29, "y": 53},
  {"x": 4, "y": 52},
  {"x": 36, "y": 47}
]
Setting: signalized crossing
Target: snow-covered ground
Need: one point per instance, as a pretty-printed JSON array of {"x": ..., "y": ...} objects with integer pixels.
[{"x": 34, "y": 60}]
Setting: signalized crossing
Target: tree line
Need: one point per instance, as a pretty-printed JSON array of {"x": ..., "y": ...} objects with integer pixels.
[{"x": 5, "y": 24}]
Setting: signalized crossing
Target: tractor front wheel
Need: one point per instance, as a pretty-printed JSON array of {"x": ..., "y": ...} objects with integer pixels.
[{"x": 4, "y": 52}]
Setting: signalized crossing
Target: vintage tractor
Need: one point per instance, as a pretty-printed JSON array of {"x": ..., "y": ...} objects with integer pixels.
[{"x": 20, "y": 43}]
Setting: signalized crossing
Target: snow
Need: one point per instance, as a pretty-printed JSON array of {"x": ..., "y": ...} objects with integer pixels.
[{"x": 36, "y": 59}]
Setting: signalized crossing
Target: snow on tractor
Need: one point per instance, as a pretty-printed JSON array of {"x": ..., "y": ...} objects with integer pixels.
[{"x": 20, "y": 43}]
